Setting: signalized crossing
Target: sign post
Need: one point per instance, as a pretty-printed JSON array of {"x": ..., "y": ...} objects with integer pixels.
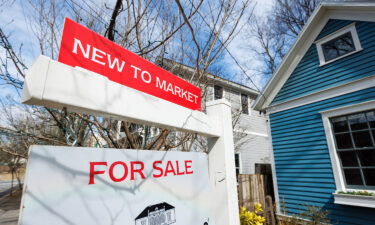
[
  {"x": 222, "y": 166},
  {"x": 84, "y": 82}
]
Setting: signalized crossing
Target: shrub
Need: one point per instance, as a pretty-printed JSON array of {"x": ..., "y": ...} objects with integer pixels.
[{"x": 251, "y": 218}]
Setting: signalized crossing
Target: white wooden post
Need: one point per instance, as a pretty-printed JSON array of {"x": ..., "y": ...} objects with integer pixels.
[{"x": 222, "y": 165}]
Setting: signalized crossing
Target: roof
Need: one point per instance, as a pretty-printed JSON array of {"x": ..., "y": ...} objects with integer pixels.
[
  {"x": 225, "y": 82},
  {"x": 153, "y": 208},
  {"x": 364, "y": 11}
]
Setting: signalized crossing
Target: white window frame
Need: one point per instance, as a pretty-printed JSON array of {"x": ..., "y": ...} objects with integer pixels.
[
  {"x": 365, "y": 201},
  {"x": 357, "y": 44}
]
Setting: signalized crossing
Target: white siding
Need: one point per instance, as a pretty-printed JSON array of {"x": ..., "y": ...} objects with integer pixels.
[
  {"x": 250, "y": 137},
  {"x": 253, "y": 149},
  {"x": 234, "y": 98},
  {"x": 254, "y": 122}
]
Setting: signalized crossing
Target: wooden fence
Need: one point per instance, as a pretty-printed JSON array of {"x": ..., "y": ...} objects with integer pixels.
[{"x": 252, "y": 189}]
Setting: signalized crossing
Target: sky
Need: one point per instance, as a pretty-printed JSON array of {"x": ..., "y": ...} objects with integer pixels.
[
  {"x": 244, "y": 56},
  {"x": 13, "y": 21}
]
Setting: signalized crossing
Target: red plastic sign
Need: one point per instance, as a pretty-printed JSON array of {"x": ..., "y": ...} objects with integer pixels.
[{"x": 84, "y": 48}]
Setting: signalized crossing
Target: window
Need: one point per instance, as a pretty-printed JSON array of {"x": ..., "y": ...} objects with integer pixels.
[
  {"x": 237, "y": 162},
  {"x": 244, "y": 104},
  {"x": 218, "y": 92},
  {"x": 339, "y": 44},
  {"x": 354, "y": 136}
]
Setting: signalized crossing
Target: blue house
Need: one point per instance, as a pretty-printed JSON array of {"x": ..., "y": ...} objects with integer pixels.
[{"x": 320, "y": 105}]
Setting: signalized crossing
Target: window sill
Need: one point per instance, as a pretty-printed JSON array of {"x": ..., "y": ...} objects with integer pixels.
[
  {"x": 335, "y": 59},
  {"x": 355, "y": 200}
]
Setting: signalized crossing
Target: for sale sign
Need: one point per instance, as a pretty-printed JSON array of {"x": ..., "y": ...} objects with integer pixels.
[
  {"x": 84, "y": 48},
  {"x": 68, "y": 185}
]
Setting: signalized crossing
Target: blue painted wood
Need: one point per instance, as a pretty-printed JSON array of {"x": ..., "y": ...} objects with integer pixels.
[
  {"x": 312, "y": 151},
  {"x": 308, "y": 77},
  {"x": 303, "y": 167},
  {"x": 332, "y": 25}
]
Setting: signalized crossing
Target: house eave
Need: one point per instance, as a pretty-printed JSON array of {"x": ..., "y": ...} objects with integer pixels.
[
  {"x": 219, "y": 80},
  {"x": 321, "y": 15}
]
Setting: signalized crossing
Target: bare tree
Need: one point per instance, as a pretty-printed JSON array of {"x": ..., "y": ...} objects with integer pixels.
[
  {"x": 277, "y": 32},
  {"x": 152, "y": 29}
]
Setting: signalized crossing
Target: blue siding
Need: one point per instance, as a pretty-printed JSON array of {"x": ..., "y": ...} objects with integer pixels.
[
  {"x": 309, "y": 77},
  {"x": 303, "y": 168}
]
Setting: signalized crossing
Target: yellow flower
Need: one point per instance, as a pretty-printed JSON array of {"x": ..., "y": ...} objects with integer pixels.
[
  {"x": 258, "y": 207},
  {"x": 251, "y": 218}
]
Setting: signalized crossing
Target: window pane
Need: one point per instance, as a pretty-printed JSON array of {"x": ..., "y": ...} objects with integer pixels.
[
  {"x": 369, "y": 175},
  {"x": 343, "y": 141},
  {"x": 339, "y": 46},
  {"x": 362, "y": 139},
  {"x": 371, "y": 119},
  {"x": 340, "y": 124},
  {"x": 348, "y": 158},
  {"x": 367, "y": 157},
  {"x": 237, "y": 159},
  {"x": 244, "y": 104},
  {"x": 218, "y": 92},
  {"x": 358, "y": 122},
  {"x": 353, "y": 177}
]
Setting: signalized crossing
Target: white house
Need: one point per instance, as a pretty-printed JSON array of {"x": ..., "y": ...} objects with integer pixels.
[{"x": 250, "y": 127}]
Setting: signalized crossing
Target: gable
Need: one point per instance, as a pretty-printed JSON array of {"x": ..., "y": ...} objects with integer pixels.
[
  {"x": 353, "y": 11},
  {"x": 309, "y": 77}
]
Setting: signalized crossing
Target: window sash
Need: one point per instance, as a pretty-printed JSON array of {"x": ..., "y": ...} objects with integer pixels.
[
  {"x": 356, "y": 150},
  {"x": 333, "y": 45},
  {"x": 350, "y": 29},
  {"x": 218, "y": 92},
  {"x": 237, "y": 163},
  {"x": 244, "y": 104}
]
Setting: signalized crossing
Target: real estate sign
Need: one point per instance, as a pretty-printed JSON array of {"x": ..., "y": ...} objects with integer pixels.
[
  {"x": 81, "y": 47},
  {"x": 70, "y": 185}
]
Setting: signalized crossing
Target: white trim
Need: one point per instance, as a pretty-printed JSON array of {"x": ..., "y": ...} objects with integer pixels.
[
  {"x": 326, "y": 115},
  {"x": 250, "y": 132},
  {"x": 331, "y": 92},
  {"x": 350, "y": 28},
  {"x": 324, "y": 12},
  {"x": 363, "y": 106},
  {"x": 273, "y": 167},
  {"x": 356, "y": 200}
]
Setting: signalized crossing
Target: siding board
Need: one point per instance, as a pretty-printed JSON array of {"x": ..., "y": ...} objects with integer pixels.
[
  {"x": 317, "y": 77},
  {"x": 309, "y": 179}
]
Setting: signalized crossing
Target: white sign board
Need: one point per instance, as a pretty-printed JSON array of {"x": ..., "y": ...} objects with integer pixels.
[{"x": 69, "y": 185}]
